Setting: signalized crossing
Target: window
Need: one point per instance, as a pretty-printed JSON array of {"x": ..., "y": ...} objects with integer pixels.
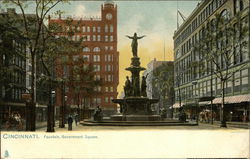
[
  {"x": 238, "y": 6},
  {"x": 111, "y": 48},
  {"x": 225, "y": 15},
  {"x": 65, "y": 71},
  {"x": 111, "y": 28},
  {"x": 111, "y": 38},
  {"x": 111, "y": 89},
  {"x": 106, "y": 38},
  {"x": 97, "y": 77},
  {"x": 94, "y": 38},
  {"x": 97, "y": 89},
  {"x": 106, "y": 89},
  {"x": 78, "y": 28},
  {"x": 106, "y": 99},
  {"x": 88, "y": 29},
  {"x": 83, "y": 29},
  {"x": 98, "y": 29},
  {"x": 86, "y": 49},
  {"x": 75, "y": 57},
  {"x": 98, "y": 37},
  {"x": 97, "y": 49},
  {"x": 97, "y": 68},
  {"x": 88, "y": 37},
  {"x": 108, "y": 68},
  {"x": 96, "y": 58},
  {"x": 241, "y": 5},
  {"x": 106, "y": 48},
  {"x": 106, "y": 28},
  {"x": 97, "y": 100},
  {"x": 77, "y": 37},
  {"x": 86, "y": 57},
  {"x": 94, "y": 29}
]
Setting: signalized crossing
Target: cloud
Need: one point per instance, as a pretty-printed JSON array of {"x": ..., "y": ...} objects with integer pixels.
[{"x": 82, "y": 11}]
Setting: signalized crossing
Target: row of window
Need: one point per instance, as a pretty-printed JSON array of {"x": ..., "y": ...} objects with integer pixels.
[
  {"x": 206, "y": 12},
  {"x": 238, "y": 83},
  {"x": 186, "y": 47},
  {"x": 96, "y": 58},
  {"x": 98, "y": 49},
  {"x": 99, "y": 100},
  {"x": 15, "y": 93},
  {"x": 107, "y": 89},
  {"x": 92, "y": 38},
  {"x": 107, "y": 28},
  {"x": 187, "y": 72},
  {"x": 107, "y": 68}
]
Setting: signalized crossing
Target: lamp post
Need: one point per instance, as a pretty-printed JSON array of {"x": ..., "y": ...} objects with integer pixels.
[
  {"x": 65, "y": 106},
  {"x": 197, "y": 104},
  {"x": 62, "y": 110},
  {"x": 53, "y": 107}
]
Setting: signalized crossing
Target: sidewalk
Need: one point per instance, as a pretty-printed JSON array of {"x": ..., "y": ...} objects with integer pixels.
[{"x": 242, "y": 125}]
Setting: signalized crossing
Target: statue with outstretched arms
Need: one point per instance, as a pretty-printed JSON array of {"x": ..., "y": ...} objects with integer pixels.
[{"x": 134, "y": 43}]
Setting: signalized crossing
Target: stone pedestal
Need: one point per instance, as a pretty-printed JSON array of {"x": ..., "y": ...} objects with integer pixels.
[{"x": 135, "y": 107}]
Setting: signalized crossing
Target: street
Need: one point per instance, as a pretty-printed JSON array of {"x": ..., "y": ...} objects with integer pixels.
[{"x": 80, "y": 127}]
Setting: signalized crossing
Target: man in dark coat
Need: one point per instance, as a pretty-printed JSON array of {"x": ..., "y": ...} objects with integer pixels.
[{"x": 70, "y": 121}]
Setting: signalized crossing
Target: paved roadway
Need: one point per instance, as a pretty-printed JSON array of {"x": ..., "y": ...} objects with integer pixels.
[{"x": 122, "y": 128}]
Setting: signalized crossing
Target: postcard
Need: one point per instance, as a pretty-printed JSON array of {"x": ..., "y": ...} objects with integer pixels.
[{"x": 124, "y": 79}]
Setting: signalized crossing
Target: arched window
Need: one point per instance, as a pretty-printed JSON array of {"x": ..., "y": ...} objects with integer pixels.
[
  {"x": 86, "y": 49},
  {"x": 225, "y": 14},
  {"x": 97, "y": 49}
]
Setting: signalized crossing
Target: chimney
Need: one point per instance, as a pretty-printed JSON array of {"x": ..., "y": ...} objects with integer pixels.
[{"x": 59, "y": 15}]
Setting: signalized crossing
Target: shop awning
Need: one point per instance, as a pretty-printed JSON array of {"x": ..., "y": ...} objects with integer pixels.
[
  {"x": 228, "y": 100},
  {"x": 233, "y": 99}
]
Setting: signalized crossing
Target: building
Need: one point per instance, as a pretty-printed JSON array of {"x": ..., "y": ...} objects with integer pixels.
[
  {"x": 207, "y": 84},
  {"x": 100, "y": 49},
  {"x": 15, "y": 58},
  {"x": 160, "y": 85}
]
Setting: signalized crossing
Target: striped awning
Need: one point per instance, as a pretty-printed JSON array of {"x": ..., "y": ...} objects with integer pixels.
[
  {"x": 233, "y": 99},
  {"x": 228, "y": 100}
]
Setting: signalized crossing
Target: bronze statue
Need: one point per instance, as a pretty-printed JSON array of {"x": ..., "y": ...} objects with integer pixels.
[
  {"x": 144, "y": 86},
  {"x": 127, "y": 87},
  {"x": 134, "y": 43}
]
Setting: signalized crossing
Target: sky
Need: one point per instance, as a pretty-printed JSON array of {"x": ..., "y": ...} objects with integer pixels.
[{"x": 155, "y": 19}]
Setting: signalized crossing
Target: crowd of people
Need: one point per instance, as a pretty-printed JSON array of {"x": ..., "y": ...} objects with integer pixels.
[{"x": 14, "y": 121}]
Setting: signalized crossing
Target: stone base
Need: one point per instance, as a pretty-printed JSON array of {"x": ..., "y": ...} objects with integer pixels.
[{"x": 136, "y": 117}]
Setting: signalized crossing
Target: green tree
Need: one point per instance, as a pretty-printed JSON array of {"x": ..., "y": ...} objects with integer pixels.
[
  {"x": 163, "y": 83},
  {"x": 33, "y": 29},
  {"x": 83, "y": 81},
  {"x": 218, "y": 53}
]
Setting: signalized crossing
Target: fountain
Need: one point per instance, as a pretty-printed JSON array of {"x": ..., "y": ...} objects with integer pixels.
[{"x": 135, "y": 106}]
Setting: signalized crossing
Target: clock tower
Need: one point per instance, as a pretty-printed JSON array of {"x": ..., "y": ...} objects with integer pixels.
[{"x": 109, "y": 14}]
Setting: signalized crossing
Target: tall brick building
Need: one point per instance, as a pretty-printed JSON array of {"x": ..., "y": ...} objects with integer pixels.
[{"x": 100, "y": 49}]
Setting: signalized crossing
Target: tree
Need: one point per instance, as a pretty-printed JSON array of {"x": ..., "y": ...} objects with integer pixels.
[
  {"x": 163, "y": 83},
  {"x": 83, "y": 81},
  {"x": 33, "y": 30},
  {"x": 217, "y": 49}
]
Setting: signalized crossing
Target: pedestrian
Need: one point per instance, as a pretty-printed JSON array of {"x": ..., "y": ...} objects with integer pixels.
[
  {"x": 70, "y": 121},
  {"x": 76, "y": 118}
]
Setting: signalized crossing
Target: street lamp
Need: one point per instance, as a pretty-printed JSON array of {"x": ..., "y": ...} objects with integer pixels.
[{"x": 197, "y": 104}]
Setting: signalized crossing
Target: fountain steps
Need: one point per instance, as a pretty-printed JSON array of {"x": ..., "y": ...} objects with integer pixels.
[{"x": 136, "y": 123}]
